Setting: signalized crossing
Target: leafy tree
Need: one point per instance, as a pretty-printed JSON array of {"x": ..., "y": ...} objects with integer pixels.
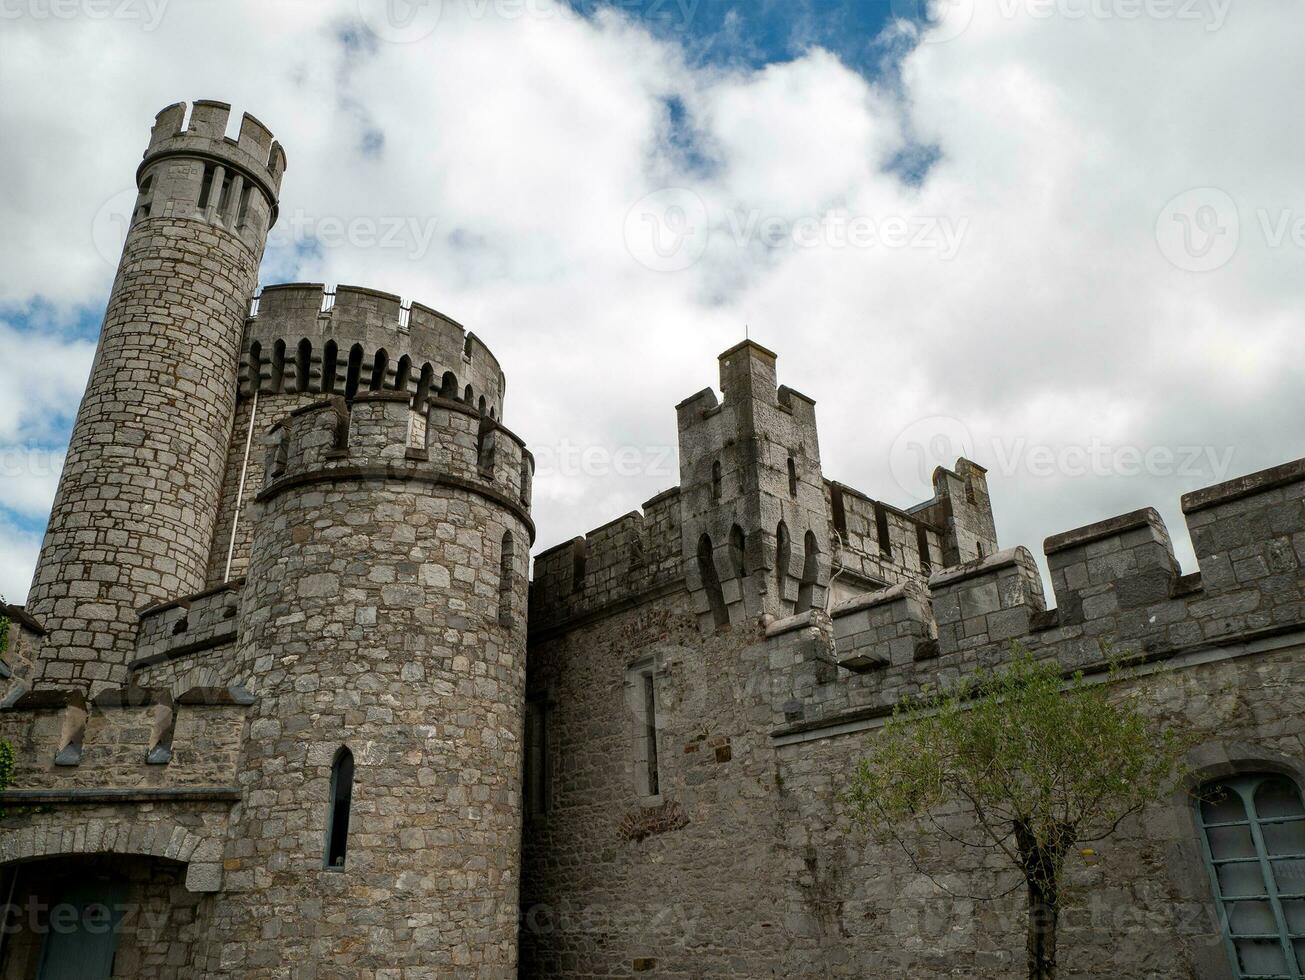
[{"x": 1036, "y": 765}]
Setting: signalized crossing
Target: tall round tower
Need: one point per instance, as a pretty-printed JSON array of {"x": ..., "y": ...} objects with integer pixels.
[
  {"x": 134, "y": 514},
  {"x": 382, "y": 634}
]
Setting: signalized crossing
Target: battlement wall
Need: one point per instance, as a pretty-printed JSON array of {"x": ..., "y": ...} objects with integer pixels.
[
  {"x": 627, "y": 558},
  {"x": 254, "y": 150},
  {"x": 880, "y": 543},
  {"x": 379, "y": 436},
  {"x": 1118, "y": 589},
  {"x": 125, "y": 738},
  {"x": 304, "y": 339}
]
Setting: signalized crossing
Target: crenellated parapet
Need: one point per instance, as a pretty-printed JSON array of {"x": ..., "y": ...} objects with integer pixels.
[
  {"x": 632, "y": 557},
  {"x": 305, "y": 339},
  {"x": 379, "y": 436},
  {"x": 763, "y": 535},
  {"x": 1119, "y": 593},
  {"x": 193, "y": 171},
  {"x": 126, "y": 738}
]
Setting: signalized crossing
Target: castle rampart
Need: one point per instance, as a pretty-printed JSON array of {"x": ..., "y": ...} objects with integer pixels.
[
  {"x": 780, "y": 533},
  {"x": 1119, "y": 594},
  {"x": 304, "y": 343}
]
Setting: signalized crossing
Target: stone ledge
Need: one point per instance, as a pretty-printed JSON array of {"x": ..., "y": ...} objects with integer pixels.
[
  {"x": 144, "y": 794},
  {"x": 1016, "y": 556},
  {"x": 397, "y": 473},
  {"x": 1110, "y": 528},
  {"x": 1244, "y": 486}
]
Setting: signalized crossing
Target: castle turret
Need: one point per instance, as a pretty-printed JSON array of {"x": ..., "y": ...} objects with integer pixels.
[
  {"x": 383, "y": 639},
  {"x": 134, "y": 515},
  {"x": 755, "y": 533}
]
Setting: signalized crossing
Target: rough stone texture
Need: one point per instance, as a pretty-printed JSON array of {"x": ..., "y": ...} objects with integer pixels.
[
  {"x": 184, "y": 716},
  {"x": 371, "y": 619},
  {"x": 761, "y": 721},
  {"x": 161, "y": 924}
]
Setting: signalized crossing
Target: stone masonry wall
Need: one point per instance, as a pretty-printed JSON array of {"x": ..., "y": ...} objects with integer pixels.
[
  {"x": 759, "y": 730},
  {"x": 374, "y": 618},
  {"x": 133, "y": 517}
]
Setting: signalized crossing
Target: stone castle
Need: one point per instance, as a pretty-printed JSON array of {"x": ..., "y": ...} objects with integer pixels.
[{"x": 284, "y": 702}]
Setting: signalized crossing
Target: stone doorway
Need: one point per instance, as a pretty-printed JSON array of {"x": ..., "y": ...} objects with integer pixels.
[{"x": 98, "y": 917}]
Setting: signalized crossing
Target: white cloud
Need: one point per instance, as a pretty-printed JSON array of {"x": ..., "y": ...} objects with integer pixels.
[
  {"x": 18, "y": 551},
  {"x": 526, "y": 141}
]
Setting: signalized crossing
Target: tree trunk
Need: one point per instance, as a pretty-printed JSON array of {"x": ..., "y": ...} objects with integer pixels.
[
  {"x": 1044, "y": 914},
  {"x": 1042, "y": 863}
]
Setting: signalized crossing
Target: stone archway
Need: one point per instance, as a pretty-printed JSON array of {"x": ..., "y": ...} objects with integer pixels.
[{"x": 160, "y": 838}]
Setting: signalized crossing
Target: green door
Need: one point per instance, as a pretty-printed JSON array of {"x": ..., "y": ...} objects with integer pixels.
[{"x": 83, "y": 932}]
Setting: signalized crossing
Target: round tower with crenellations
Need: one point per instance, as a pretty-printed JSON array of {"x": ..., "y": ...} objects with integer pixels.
[
  {"x": 137, "y": 503},
  {"x": 382, "y": 636}
]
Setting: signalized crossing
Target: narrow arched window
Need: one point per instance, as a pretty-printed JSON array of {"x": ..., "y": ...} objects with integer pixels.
[
  {"x": 1253, "y": 827},
  {"x": 354, "y": 375},
  {"x": 303, "y": 364},
  {"x": 783, "y": 556},
  {"x": 449, "y": 386},
  {"x": 330, "y": 353},
  {"x": 255, "y": 366},
  {"x": 505, "y": 559},
  {"x": 469, "y": 396},
  {"x": 810, "y": 572},
  {"x": 337, "y": 822},
  {"x": 424, "y": 382},
  {"x": 380, "y": 364},
  {"x": 711, "y": 582},
  {"x": 278, "y": 366},
  {"x": 403, "y": 373},
  {"x": 738, "y": 551},
  {"x": 715, "y": 481},
  {"x": 480, "y": 406},
  {"x": 792, "y": 477}
]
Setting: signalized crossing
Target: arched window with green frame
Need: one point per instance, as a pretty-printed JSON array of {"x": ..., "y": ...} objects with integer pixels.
[{"x": 1253, "y": 830}]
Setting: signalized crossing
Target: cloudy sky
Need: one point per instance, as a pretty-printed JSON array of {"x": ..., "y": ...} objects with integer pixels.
[{"x": 1064, "y": 237}]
